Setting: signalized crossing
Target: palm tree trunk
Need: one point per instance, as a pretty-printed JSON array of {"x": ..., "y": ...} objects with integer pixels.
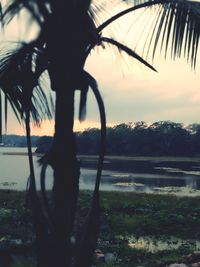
[
  {"x": 66, "y": 175},
  {"x": 64, "y": 70}
]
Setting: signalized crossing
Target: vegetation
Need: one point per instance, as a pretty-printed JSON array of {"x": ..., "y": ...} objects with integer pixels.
[
  {"x": 18, "y": 140},
  {"x": 67, "y": 32},
  {"x": 163, "y": 138},
  {"x": 132, "y": 227}
]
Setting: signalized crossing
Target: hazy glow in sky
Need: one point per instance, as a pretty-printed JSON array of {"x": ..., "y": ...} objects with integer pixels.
[{"x": 131, "y": 92}]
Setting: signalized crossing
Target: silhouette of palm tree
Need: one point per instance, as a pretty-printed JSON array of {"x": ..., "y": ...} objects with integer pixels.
[{"x": 67, "y": 35}]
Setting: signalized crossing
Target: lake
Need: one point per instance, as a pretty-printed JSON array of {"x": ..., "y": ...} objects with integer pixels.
[{"x": 151, "y": 175}]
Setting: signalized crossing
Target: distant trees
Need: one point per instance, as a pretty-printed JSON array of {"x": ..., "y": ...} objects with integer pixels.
[
  {"x": 171, "y": 138},
  {"x": 44, "y": 143},
  {"x": 162, "y": 138},
  {"x": 13, "y": 140},
  {"x": 194, "y": 130}
]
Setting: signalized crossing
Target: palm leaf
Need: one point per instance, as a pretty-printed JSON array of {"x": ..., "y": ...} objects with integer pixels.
[
  {"x": 6, "y": 112},
  {"x": 183, "y": 27},
  {"x": 98, "y": 11},
  {"x": 82, "y": 107},
  {"x": 83, "y": 100},
  {"x": 143, "y": 4},
  {"x": 0, "y": 118},
  {"x": 89, "y": 232},
  {"x": 44, "y": 161},
  {"x": 10, "y": 10},
  {"x": 177, "y": 27},
  {"x": 15, "y": 107},
  {"x": 41, "y": 227},
  {"x": 92, "y": 83},
  {"x": 15, "y": 64},
  {"x": 127, "y": 50},
  {"x": 38, "y": 9}
]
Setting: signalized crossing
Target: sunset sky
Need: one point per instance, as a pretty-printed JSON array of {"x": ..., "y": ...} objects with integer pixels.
[{"x": 132, "y": 92}]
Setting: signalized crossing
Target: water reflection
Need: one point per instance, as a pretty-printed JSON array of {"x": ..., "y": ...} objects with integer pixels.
[
  {"x": 132, "y": 182},
  {"x": 153, "y": 245},
  {"x": 179, "y": 177}
]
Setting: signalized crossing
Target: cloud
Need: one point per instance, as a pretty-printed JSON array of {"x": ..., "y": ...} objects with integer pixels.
[{"x": 171, "y": 94}]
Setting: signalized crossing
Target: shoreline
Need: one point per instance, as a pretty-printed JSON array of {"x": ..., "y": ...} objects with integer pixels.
[
  {"x": 118, "y": 157},
  {"x": 21, "y": 154}
]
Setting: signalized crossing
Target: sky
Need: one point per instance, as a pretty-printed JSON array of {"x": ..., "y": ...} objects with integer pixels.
[{"x": 131, "y": 91}]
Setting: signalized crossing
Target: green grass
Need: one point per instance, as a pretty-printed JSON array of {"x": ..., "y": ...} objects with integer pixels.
[
  {"x": 124, "y": 216},
  {"x": 148, "y": 214}
]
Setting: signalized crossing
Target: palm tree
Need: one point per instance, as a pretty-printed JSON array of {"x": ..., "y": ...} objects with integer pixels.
[{"x": 69, "y": 30}]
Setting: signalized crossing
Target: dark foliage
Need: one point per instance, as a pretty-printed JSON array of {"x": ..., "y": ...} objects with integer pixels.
[
  {"x": 163, "y": 138},
  {"x": 12, "y": 140}
]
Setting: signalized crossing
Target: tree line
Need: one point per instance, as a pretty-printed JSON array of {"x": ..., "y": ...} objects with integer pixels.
[
  {"x": 162, "y": 138},
  {"x": 13, "y": 140}
]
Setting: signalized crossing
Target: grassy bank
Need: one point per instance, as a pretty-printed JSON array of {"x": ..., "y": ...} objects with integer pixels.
[
  {"x": 139, "y": 229},
  {"x": 121, "y": 158},
  {"x": 143, "y": 158}
]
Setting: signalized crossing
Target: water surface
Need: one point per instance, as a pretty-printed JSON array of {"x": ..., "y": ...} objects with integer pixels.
[{"x": 179, "y": 177}]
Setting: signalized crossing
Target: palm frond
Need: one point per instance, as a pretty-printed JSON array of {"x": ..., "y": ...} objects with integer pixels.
[
  {"x": 143, "y": 4},
  {"x": 6, "y": 112},
  {"x": 15, "y": 107},
  {"x": 178, "y": 30},
  {"x": 89, "y": 233},
  {"x": 93, "y": 84},
  {"x": 44, "y": 161},
  {"x": 82, "y": 107},
  {"x": 0, "y": 118},
  {"x": 1, "y": 13},
  {"x": 10, "y": 9},
  {"x": 98, "y": 11},
  {"x": 83, "y": 100},
  {"x": 38, "y": 10},
  {"x": 32, "y": 185},
  {"x": 15, "y": 65},
  {"x": 127, "y": 50},
  {"x": 177, "y": 27}
]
